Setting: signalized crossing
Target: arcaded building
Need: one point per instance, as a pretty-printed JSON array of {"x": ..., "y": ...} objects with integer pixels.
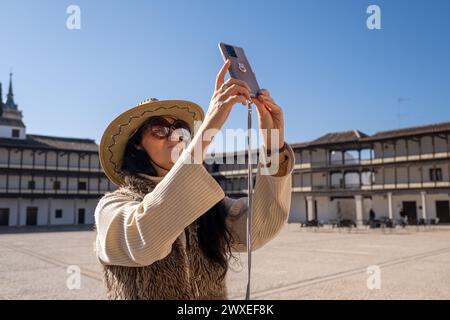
[
  {"x": 344, "y": 175},
  {"x": 45, "y": 180}
]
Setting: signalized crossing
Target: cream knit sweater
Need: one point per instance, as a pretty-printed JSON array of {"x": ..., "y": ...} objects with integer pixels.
[{"x": 138, "y": 233}]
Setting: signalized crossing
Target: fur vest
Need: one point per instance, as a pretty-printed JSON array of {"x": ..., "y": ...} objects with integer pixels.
[{"x": 183, "y": 274}]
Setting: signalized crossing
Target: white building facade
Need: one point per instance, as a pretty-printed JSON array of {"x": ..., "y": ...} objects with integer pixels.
[
  {"x": 345, "y": 175},
  {"x": 46, "y": 181}
]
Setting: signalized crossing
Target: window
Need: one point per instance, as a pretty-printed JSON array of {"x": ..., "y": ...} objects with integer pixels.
[
  {"x": 56, "y": 185},
  {"x": 351, "y": 157},
  {"x": 82, "y": 185},
  {"x": 367, "y": 178},
  {"x": 296, "y": 179},
  {"x": 298, "y": 156},
  {"x": 336, "y": 157},
  {"x": 243, "y": 184},
  {"x": 31, "y": 184},
  {"x": 337, "y": 180},
  {"x": 436, "y": 174},
  {"x": 229, "y": 185},
  {"x": 58, "y": 213},
  {"x": 351, "y": 180},
  {"x": 15, "y": 133},
  {"x": 236, "y": 184},
  {"x": 366, "y": 154}
]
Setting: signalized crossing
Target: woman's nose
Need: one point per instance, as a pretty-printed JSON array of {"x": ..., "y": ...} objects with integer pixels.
[{"x": 176, "y": 136}]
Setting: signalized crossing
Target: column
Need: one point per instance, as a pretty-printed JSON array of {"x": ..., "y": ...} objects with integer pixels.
[
  {"x": 328, "y": 177},
  {"x": 75, "y": 215},
  {"x": 360, "y": 172},
  {"x": 18, "y": 212},
  {"x": 390, "y": 207},
  {"x": 89, "y": 175},
  {"x": 359, "y": 209},
  {"x": 67, "y": 172},
  {"x": 372, "y": 152},
  {"x": 406, "y": 148},
  {"x": 49, "y": 212},
  {"x": 301, "y": 180},
  {"x": 424, "y": 204},
  {"x": 310, "y": 203}
]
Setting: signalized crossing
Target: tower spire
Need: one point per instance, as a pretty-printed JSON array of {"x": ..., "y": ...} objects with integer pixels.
[
  {"x": 10, "y": 91},
  {"x": 10, "y": 97}
]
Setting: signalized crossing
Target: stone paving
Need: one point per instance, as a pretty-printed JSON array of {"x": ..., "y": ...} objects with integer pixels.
[{"x": 413, "y": 263}]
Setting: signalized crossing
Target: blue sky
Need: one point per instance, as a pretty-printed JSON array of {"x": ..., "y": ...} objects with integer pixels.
[{"x": 323, "y": 66}]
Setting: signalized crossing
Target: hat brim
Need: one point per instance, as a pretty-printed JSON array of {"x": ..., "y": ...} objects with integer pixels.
[{"x": 119, "y": 131}]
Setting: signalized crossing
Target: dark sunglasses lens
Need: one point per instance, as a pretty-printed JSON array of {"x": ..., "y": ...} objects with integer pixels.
[
  {"x": 160, "y": 131},
  {"x": 160, "y": 127}
]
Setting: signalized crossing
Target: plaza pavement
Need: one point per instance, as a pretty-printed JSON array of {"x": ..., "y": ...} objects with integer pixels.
[{"x": 413, "y": 263}]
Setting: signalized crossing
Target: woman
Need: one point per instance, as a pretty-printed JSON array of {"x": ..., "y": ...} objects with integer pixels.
[{"x": 168, "y": 231}]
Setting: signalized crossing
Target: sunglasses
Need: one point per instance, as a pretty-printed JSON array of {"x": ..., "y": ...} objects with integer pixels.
[{"x": 161, "y": 128}]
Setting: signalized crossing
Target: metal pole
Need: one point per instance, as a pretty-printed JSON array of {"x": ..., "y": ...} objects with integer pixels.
[{"x": 250, "y": 200}]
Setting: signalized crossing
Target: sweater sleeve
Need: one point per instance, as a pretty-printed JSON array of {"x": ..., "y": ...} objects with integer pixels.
[
  {"x": 138, "y": 233},
  {"x": 271, "y": 205}
]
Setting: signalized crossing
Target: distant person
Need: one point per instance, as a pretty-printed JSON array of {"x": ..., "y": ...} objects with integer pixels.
[
  {"x": 372, "y": 222},
  {"x": 404, "y": 217},
  {"x": 371, "y": 215}
]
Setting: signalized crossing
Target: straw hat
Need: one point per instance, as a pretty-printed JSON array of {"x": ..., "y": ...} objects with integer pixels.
[{"x": 119, "y": 131}]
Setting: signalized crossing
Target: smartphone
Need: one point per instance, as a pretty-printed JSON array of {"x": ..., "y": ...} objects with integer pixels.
[{"x": 240, "y": 67}]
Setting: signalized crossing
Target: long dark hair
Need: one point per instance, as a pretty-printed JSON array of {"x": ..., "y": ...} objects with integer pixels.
[{"x": 213, "y": 235}]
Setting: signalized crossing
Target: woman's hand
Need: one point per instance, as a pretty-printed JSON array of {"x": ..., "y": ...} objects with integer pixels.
[
  {"x": 270, "y": 116},
  {"x": 225, "y": 96}
]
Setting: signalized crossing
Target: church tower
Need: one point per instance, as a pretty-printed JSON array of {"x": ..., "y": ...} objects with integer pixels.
[{"x": 11, "y": 125}]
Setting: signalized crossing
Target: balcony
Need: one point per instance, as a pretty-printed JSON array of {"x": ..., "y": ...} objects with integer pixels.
[
  {"x": 373, "y": 187},
  {"x": 385, "y": 160},
  {"x": 49, "y": 167},
  {"x": 417, "y": 157},
  {"x": 52, "y": 192}
]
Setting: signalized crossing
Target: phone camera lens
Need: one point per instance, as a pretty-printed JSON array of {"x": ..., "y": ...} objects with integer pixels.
[{"x": 230, "y": 51}]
